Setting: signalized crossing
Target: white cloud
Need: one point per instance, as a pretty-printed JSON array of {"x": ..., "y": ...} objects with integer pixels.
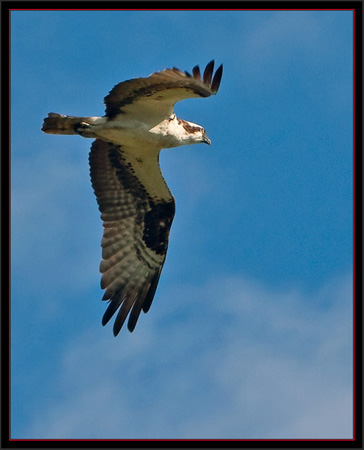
[{"x": 226, "y": 360}]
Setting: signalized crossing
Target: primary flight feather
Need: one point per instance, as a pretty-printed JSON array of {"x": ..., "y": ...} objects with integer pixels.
[{"x": 136, "y": 205}]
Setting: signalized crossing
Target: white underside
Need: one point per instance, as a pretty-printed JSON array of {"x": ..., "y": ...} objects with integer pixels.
[
  {"x": 135, "y": 133},
  {"x": 141, "y": 146}
]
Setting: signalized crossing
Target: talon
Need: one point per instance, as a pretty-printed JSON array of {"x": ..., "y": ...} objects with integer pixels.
[
  {"x": 85, "y": 126},
  {"x": 84, "y": 129}
]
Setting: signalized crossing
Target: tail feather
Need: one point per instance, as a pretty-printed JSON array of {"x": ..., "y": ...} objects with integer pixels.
[{"x": 61, "y": 124}]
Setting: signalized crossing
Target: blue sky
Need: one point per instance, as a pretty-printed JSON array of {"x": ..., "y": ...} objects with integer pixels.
[{"x": 250, "y": 332}]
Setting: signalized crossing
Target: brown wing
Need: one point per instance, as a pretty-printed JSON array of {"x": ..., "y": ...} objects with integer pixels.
[
  {"x": 157, "y": 94},
  {"x": 136, "y": 231}
]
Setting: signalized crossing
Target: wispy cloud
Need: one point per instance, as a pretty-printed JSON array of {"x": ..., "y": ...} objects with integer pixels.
[
  {"x": 230, "y": 359},
  {"x": 279, "y": 32}
]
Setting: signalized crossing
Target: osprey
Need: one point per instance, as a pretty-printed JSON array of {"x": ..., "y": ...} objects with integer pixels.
[{"x": 136, "y": 205}]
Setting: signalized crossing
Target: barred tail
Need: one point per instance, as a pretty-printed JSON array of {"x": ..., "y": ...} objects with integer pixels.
[{"x": 61, "y": 124}]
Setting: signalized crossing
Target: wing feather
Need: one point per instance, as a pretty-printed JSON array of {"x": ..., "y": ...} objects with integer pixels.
[
  {"x": 124, "y": 311},
  {"x": 135, "y": 239},
  {"x": 196, "y": 73},
  {"x": 207, "y": 75},
  {"x": 158, "y": 93}
]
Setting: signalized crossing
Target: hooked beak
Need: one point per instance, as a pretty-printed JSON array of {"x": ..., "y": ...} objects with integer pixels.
[{"x": 206, "y": 140}]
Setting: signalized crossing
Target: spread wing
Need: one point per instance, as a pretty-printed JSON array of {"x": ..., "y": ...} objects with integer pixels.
[
  {"x": 152, "y": 99},
  {"x": 136, "y": 231}
]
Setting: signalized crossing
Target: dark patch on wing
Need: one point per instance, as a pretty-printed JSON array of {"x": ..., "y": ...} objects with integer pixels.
[
  {"x": 127, "y": 178},
  {"x": 157, "y": 223},
  {"x": 134, "y": 225}
]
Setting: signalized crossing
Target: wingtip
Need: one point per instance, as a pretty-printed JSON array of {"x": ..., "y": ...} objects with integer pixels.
[
  {"x": 196, "y": 73},
  {"x": 131, "y": 326},
  {"x": 118, "y": 326},
  {"x": 217, "y": 79},
  {"x": 119, "y": 322},
  {"x": 116, "y": 330},
  {"x": 209, "y": 78},
  {"x": 207, "y": 75},
  {"x": 105, "y": 319}
]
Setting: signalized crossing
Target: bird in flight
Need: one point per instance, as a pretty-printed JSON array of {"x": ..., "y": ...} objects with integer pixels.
[{"x": 136, "y": 205}]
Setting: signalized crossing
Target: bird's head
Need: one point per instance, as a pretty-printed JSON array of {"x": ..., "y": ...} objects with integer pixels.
[
  {"x": 199, "y": 137},
  {"x": 193, "y": 133},
  {"x": 205, "y": 139}
]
